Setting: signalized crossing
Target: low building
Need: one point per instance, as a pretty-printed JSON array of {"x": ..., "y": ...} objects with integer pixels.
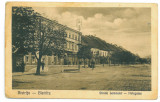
[
  {"x": 98, "y": 52},
  {"x": 100, "y": 55}
]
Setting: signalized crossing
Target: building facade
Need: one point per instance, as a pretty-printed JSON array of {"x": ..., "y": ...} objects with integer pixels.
[
  {"x": 71, "y": 47},
  {"x": 101, "y": 56},
  {"x": 98, "y": 52}
]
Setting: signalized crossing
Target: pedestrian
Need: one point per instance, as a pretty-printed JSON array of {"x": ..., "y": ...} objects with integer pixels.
[
  {"x": 22, "y": 67},
  {"x": 79, "y": 65},
  {"x": 42, "y": 63},
  {"x": 92, "y": 64},
  {"x": 18, "y": 67}
]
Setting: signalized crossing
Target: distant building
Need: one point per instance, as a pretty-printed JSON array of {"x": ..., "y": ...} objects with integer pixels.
[
  {"x": 95, "y": 51},
  {"x": 103, "y": 53},
  {"x": 73, "y": 40},
  {"x": 98, "y": 52}
]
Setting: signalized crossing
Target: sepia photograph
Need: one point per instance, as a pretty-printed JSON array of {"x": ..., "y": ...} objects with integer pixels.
[{"x": 81, "y": 48}]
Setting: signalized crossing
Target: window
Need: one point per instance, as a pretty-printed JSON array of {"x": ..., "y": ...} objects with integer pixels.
[
  {"x": 75, "y": 37},
  {"x": 76, "y": 47},
  {"x": 33, "y": 59},
  {"x": 27, "y": 59},
  {"x": 70, "y": 46},
  {"x": 72, "y": 36},
  {"x": 79, "y": 38},
  {"x": 69, "y": 35}
]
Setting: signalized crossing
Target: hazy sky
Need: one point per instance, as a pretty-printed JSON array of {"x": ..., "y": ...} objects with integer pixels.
[{"x": 126, "y": 27}]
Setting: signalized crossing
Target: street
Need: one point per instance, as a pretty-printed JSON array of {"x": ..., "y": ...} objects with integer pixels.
[{"x": 123, "y": 77}]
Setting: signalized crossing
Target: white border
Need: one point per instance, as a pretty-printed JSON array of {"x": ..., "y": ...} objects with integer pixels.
[{"x": 2, "y": 52}]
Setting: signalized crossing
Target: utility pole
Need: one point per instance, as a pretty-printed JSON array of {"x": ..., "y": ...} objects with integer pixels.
[
  {"x": 63, "y": 51},
  {"x": 78, "y": 25}
]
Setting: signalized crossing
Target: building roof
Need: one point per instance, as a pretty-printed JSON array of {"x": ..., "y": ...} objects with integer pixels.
[
  {"x": 95, "y": 42},
  {"x": 64, "y": 26}
]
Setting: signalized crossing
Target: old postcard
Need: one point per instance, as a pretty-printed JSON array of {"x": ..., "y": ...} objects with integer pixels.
[{"x": 81, "y": 50}]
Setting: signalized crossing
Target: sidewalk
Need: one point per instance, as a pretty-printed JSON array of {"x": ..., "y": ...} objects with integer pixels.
[{"x": 31, "y": 69}]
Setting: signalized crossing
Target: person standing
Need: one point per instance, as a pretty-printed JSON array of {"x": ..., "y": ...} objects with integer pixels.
[
  {"x": 42, "y": 63},
  {"x": 22, "y": 67},
  {"x": 93, "y": 64}
]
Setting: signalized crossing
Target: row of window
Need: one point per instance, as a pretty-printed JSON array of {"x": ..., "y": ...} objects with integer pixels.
[
  {"x": 33, "y": 59},
  {"x": 72, "y": 46},
  {"x": 100, "y": 53},
  {"x": 103, "y": 53},
  {"x": 74, "y": 36},
  {"x": 27, "y": 59}
]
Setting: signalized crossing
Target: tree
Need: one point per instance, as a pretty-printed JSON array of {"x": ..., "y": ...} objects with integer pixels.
[
  {"x": 84, "y": 53},
  {"x": 123, "y": 57},
  {"x": 46, "y": 38},
  {"x": 103, "y": 60},
  {"x": 22, "y": 25},
  {"x": 36, "y": 34}
]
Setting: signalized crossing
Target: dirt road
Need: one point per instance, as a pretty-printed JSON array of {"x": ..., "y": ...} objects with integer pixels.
[{"x": 126, "y": 77}]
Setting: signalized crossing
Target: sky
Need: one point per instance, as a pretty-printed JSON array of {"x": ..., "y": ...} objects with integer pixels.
[{"x": 126, "y": 27}]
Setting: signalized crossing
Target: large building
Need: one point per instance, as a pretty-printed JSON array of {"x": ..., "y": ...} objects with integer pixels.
[{"x": 73, "y": 41}]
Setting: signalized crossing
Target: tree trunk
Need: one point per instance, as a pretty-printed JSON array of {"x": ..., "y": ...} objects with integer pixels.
[
  {"x": 108, "y": 61},
  {"x": 103, "y": 62},
  {"x": 89, "y": 65},
  {"x": 38, "y": 66},
  {"x": 79, "y": 65},
  {"x": 84, "y": 63}
]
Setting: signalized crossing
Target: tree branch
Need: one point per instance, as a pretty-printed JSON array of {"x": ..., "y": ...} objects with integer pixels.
[
  {"x": 47, "y": 46},
  {"x": 36, "y": 56}
]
